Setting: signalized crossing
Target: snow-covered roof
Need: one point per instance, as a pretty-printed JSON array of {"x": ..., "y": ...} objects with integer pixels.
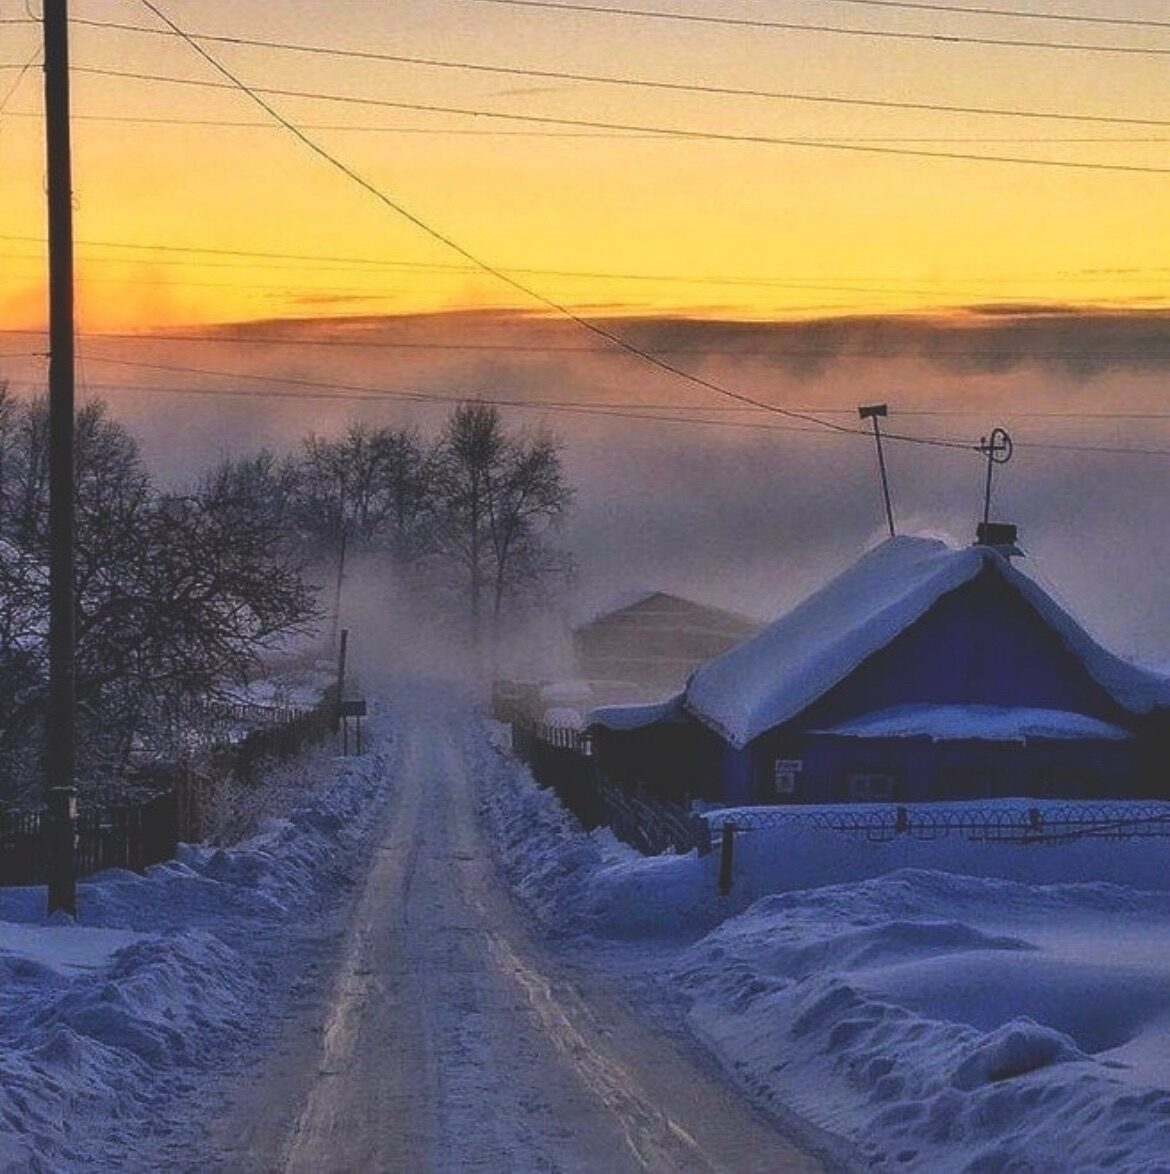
[
  {"x": 647, "y": 604},
  {"x": 986, "y": 723},
  {"x": 773, "y": 676},
  {"x": 566, "y": 693},
  {"x": 613, "y": 604},
  {"x": 563, "y": 717},
  {"x": 634, "y": 717}
]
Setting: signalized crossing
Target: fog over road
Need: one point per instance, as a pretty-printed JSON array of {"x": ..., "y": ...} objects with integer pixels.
[{"x": 454, "y": 1040}]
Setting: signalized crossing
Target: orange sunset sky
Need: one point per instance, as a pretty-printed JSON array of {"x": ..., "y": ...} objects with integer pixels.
[{"x": 602, "y": 219}]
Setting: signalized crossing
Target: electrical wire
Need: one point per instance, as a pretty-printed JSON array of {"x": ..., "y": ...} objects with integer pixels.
[
  {"x": 23, "y": 70},
  {"x": 349, "y": 264},
  {"x": 822, "y": 99},
  {"x": 256, "y": 124},
  {"x": 446, "y": 63},
  {"x": 820, "y": 409},
  {"x": 835, "y": 30},
  {"x": 448, "y": 241},
  {"x": 653, "y": 413},
  {"x": 1015, "y": 13},
  {"x": 1159, "y": 356},
  {"x": 754, "y": 23},
  {"x": 863, "y": 285},
  {"x": 580, "y": 123}
]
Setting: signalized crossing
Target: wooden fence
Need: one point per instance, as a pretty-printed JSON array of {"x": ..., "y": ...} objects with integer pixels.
[
  {"x": 137, "y": 835},
  {"x": 132, "y": 836},
  {"x": 562, "y": 760},
  {"x": 199, "y": 779}
]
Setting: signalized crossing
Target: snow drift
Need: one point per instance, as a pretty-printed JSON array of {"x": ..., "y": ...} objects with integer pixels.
[{"x": 107, "y": 1024}]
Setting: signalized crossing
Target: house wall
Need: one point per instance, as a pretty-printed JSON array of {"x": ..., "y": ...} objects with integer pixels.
[
  {"x": 923, "y": 771},
  {"x": 981, "y": 644}
]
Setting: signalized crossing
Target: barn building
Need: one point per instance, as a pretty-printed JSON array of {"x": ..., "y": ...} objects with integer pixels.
[
  {"x": 647, "y": 645},
  {"x": 923, "y": 672}
]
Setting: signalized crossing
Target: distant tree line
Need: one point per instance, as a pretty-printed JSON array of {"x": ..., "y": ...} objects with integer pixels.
[
  {"x": 468, "y": 519},
  {"x": 179, "y": 595}
]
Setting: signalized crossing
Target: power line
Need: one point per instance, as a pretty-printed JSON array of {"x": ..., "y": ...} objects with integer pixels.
[
  {"x": 333, "y": 385},
  {"x": 830, "y": 99},
  {"x": 374, "y": 262},
  {"x": 645, "y": 83},
  {"x": 604, "y": 136},
  {"x": 400, "y": 210},
  {"x": 349, "y": 264},
  {"x": 287, "y": 262},
  {"x": 1017, "y": 13},
  {"x": 647, "y": 412},
  {"x": 22, "y": 71},
  {"x": 835, "y": 30},
  {"x": 643, "y": 406},
  {"x": 466, "y": 66},
  {"x": 672, "y": 132},
  {"x": 838, "y": 354},
  {"x": 256, "y": 124}
]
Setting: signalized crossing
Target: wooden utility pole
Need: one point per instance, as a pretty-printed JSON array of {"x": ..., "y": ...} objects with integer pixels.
[{"x": 59, "y": 717}]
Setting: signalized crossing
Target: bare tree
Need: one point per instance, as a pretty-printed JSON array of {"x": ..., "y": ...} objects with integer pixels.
[
  {"x": 500, "y": 497},
  {"x": 176, "y": 596},
  {"x": 365, "y": 489}
]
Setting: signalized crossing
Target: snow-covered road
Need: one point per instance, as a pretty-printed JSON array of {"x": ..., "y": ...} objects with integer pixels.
[{"x": 454, "y": 1040}]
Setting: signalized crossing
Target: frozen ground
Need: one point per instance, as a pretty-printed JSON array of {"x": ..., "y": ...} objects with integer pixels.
[
  {"x": 112, "y": 1029},
  {"x": 929, "y": 1017},
  {"x": 887, "y": 1006},
  {"x": 453, "y": 1039}
]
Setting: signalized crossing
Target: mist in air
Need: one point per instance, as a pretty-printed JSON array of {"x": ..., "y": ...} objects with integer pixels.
[{"x": 742, "y": 509}]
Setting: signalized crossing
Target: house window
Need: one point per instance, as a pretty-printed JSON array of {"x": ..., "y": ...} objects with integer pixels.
[
  {"x": 784, "y": 772},
  {"x": 870, "y": 788}
]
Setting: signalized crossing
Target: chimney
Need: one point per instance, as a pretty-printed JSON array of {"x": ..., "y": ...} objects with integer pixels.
[{"x": 1001, "y": 536}]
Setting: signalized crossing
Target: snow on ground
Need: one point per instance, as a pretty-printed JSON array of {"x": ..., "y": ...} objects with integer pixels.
[
  {"x": 109, "y": 1026},
  {"x": 949, "y": 1022},
  {"x": 951, "y": 1006}
]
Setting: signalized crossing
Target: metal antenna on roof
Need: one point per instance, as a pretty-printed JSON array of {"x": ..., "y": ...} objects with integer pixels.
[
  {"x": 998, "y": 449},
  {"x": 875, "y": 412}
]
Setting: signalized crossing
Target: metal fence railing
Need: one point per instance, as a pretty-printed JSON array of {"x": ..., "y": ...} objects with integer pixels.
[{"x": 1012, "y": 823}]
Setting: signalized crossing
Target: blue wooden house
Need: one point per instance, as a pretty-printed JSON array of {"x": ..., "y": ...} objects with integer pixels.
[{"x": 922, "y": 672}]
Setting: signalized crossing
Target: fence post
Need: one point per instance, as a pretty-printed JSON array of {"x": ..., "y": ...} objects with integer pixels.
[
  {"x": 726, "y": 852},
  {"x": 702, "y": 831},
  {"x": 341, "y": 655}
]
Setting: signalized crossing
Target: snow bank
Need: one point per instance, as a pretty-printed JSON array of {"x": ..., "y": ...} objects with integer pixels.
[
  {"x": 636, "y": 717},
  {"x": 943, "y": 1022},
  {"x": 105, "y": 1025},
  {"x": 591, "y": 883},
  {"x": 931, "y": 1020},
  {"x": 550, "y": 862}
]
